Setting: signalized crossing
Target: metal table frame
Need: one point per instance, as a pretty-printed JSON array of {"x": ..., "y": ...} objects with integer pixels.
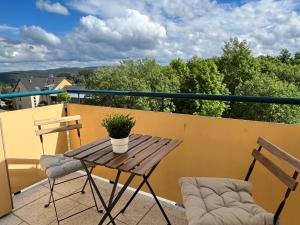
[
  {"x": 142, "y": 158},
  {"x": 113, "y": 200}
]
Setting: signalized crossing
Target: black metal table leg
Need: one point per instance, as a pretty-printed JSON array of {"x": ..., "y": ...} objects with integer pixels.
[
  {"x": 107, "y": 214},
  {"x": 145, "y": 180},
  {"x": 114, "y": 188},
  {"x": 157, "y": 201},
  {"x": 116, "y": 199},
  {"x": 137, "y": 190}
]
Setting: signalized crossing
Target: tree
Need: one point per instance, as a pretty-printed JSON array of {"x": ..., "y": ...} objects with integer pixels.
[
  {"x": 180, "y": 67},
  {"x": 64, "y": 97},
  {"x": 296, "y": 59},
  {"x": 272, "y": 66},
  {"x": 203, "y": 78},
  {"x": 141, "y": 75},
  {"x": 285, "y": 56},
  {"x": 237, "y": 63},
  {"x": 262, "y": 85}
]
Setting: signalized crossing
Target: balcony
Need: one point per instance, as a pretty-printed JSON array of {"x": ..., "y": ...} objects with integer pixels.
[{"x": 212, "y": 147}]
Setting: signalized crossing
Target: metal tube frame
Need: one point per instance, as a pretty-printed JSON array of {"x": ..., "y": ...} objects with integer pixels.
[
  {"x": 53, "y": 200},
  {"x": 113, "y": 200},
  {"x": 145, "y": 181}
]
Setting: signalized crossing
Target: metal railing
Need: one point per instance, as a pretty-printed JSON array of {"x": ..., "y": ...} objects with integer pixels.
[
  {"x": 27, "y": 94},
  {"x": 162, "y": 96}
]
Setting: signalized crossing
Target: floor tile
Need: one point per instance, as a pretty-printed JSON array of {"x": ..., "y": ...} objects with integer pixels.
[
  {"x": 87, "y": 198},
  {"x": 10, "y": 219},
  {"x": 89, "y": 217},
  {"x": 154, "y": 217},
  {"x": 35, "y": 213},
  {"x": 137, "y": 209},
  {"x": 29, "y": 196},
  {"x": 70, "y": 186},
  {"x": 143, "y": 210}
]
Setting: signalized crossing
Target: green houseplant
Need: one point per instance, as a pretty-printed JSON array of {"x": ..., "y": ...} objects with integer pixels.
[{"x": 118, "y": 127}]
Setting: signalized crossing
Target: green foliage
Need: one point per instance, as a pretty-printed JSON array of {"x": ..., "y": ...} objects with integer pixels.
[
  {"x": 271, "y": 66},
  {"x": 236, "y": 72},
  {"x": 4, "y": 88},
  {"x": 203, "y": 78},
  {"x": 63, "y": 97},
  {"x": 237, "y": 63},
  {"x": 118, "y": 125},
  {"x": 296, "y": 59},
  {"x": 140, "y": 75},
  {"x": 267, "y": 86},
  {"x": 285, "y": 56}
]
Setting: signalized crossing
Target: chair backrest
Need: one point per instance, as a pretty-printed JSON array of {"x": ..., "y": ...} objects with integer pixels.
[
  {"x": 64, "y": 126},
  {"x": 288, "y": 180}
]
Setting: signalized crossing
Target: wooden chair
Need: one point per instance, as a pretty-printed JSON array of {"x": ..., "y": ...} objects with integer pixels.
[
  {"x": 229, "y": 201},
  {"x": 58, "y": 166}
]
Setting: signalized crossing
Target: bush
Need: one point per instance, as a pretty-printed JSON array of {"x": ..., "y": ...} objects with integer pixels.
[
  {"x": 118, "y": 125},
  {"x": 63, "y": 97}
]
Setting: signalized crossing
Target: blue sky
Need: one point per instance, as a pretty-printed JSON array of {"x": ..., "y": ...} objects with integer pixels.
[{"x": 41, "y": 34}]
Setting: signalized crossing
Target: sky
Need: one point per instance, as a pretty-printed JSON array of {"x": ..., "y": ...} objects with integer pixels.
[{"x": 43, "y": 34}]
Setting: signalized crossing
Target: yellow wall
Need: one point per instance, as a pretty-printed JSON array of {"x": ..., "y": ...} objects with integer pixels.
[
  {"x": 23, "y": 148},
  {"x": 211, "y": 147},
  {"x": 5, "y": 196}
]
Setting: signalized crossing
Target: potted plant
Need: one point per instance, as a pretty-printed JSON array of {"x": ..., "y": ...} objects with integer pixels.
[{"x": 118, "y": 127}]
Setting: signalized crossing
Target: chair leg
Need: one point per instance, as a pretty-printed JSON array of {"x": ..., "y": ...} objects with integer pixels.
[
  {"x": 52, "y": 197},
  {"x": 51, "y": 190},
  {"x": 86, "y": 181}
]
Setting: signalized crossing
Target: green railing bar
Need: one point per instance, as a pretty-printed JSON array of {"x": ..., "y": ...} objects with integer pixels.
[
  {"x": 26, "y": 94},
  {"x": 229, "y": 98}
]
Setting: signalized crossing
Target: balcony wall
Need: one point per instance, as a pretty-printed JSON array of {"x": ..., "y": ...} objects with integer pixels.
[
  {"x": 211, "y": 147},
  {"x": 23, "y": 147}
]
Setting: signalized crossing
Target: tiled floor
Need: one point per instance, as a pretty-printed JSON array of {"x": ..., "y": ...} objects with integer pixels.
[{"x": 29, "y": 207}]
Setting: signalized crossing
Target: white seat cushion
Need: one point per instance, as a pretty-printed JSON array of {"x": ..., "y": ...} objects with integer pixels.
[
  {"x": 57, "y": 166},
  {"x": 221, "y": 201}
]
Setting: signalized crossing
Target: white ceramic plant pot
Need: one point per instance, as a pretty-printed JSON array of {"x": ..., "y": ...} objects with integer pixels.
[{"x": 119, "y": 145}]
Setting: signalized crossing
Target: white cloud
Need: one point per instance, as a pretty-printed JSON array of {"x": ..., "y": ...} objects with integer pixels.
[
  {"x": 37, "y": 35},
  {"x": 52, "y": 7},
  {"x": 113, "y": 30},
  {"x": 16, "y": 52},
  {"x": 200, "y": 27},
  {"x": 134, "y": 30},
  {"x": 5, "y": 27}
]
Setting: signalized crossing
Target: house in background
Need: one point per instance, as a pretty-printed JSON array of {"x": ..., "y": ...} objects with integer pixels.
[{"x": 37, "y": 84}]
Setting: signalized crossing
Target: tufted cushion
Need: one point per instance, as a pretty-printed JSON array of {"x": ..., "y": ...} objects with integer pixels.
[
  {"x": 221, "y": 201},
  {"x": 57, "y": 166}
]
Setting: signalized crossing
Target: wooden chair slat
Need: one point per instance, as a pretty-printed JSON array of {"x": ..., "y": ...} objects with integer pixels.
[
  {"x": 155, "y": 158},
  {"x": 273, "y": 168},
  {"x": 143, "y": 155},
  {"x": 58, "y": 129},
  {"x": 280, "y": 153},
  {"x": 56, "y": 120}
]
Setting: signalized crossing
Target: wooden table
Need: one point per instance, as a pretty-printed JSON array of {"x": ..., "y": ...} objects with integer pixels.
[{"x": 144, "y": 154}]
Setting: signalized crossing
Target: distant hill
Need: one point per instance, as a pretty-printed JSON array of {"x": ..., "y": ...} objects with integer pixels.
[{"x": 14, "y": 76}]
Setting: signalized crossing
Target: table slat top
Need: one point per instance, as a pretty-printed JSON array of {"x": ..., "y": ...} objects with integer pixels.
[{"x": 144, "y": 152}]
